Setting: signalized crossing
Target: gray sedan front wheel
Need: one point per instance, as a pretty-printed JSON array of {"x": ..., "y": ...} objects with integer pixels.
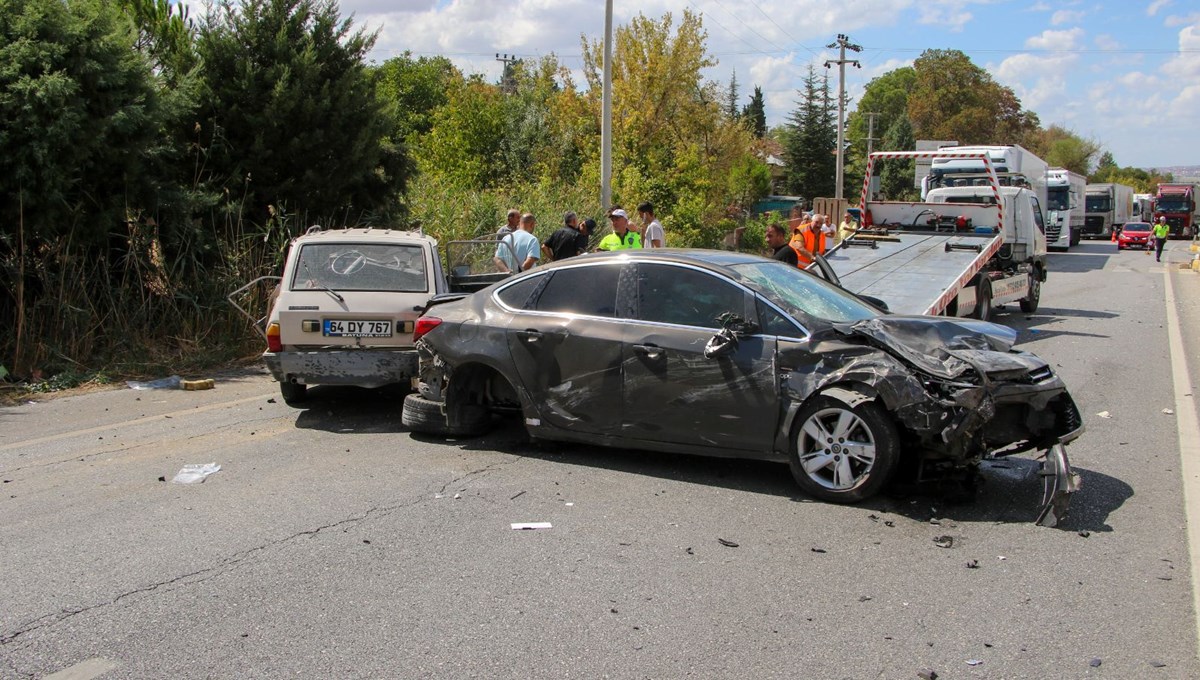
[{"x": 843, "y": 454}]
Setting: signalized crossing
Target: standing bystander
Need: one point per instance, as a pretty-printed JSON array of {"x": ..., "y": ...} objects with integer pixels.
[
  {"x": 567, "y": 241},
  {"x": 622, "y": 238},
  {"x": 518, "y": 250},
  {"x": 653, "y": 235},
  {"x": 1161, "y": 231}
]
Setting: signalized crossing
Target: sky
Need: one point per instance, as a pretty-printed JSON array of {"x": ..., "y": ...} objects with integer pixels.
[{"x": 1125, "y": 73}]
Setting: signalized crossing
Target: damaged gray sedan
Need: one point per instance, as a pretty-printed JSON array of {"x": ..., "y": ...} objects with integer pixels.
[{"x": 734, "y": 355}]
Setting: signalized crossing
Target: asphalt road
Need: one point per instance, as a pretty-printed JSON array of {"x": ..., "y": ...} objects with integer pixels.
[{"x": 332, "y": 543}]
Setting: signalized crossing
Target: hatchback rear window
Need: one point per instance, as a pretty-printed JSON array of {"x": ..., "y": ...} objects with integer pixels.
[{"x": 383, "y": 267}]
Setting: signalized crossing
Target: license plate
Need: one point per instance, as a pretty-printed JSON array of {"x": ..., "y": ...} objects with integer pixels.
[{"x": 349, "y": 328}]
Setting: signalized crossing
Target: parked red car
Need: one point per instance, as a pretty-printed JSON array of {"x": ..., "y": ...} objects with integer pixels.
[{"x": 1135, "y": 235}]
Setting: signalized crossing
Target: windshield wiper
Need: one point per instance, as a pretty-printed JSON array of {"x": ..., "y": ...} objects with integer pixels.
[{"x": 324, "y": 287}]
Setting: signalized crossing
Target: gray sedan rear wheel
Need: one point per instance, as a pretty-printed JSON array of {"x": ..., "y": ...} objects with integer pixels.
[
  {"x": 425, "y": 415},
  {"x": 843, "y": 454}
]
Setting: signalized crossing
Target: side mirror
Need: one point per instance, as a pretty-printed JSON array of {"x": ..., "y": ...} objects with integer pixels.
[
  {"x": 726, "y": 339},
  {"x": 875, "y": 301}
]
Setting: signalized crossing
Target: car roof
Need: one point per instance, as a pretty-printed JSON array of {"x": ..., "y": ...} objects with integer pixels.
[
  {"x": 365, "y": 234},
  {"x": 711, "y": 259}
]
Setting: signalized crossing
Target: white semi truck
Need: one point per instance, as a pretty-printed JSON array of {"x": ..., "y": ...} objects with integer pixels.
[
  {"x": 1143, "y": 208},
  {"x": 1013, "y": 165},
  {"x": 960, "y": 252},
  {"x": 1108, "y": 207},
  {"x": 1064, "y": 208}
]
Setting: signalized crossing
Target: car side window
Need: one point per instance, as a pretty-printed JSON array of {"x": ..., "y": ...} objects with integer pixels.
[
  {"x": 684, "y": 296},
  {"x": 517, "y": 295},
  {"x": 774, "y": 323},
  {"x": 588, "y": 291}
]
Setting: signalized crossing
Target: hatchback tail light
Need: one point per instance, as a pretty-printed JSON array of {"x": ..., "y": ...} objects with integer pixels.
[
  {"x": 274, "y": 344},
  {"x": 424, "y": 325}
]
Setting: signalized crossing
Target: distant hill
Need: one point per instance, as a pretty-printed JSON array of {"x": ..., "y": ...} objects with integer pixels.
[{"x": 1181, "y": 172}]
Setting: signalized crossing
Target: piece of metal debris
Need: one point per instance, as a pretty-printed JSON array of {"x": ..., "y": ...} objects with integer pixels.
[
  {"x": 944, "y": 541},
  {"x": 726, "y": 543},
  {"x": 526, "y": 526}
]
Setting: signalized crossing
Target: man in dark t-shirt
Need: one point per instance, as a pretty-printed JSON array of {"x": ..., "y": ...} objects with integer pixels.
[
  {"x": 777, "y": 238},
  {"x": 567, "y": 241}
]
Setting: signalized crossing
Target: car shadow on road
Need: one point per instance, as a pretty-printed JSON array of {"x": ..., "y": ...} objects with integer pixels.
[
  {"x": 351, "y": 410},
  {"x": 1041, "y": 324},
  {"x": 1087, "y": 257},
  {"x": 1010, "y": 491}
]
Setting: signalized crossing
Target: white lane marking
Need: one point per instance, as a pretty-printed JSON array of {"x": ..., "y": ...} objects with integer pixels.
[
  {"x": 1189, "y": 441},
  {"x": 84, "y": 670},
  {"x": 127, "y": 423}
]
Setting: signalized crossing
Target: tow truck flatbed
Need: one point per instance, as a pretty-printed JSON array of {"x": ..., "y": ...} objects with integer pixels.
[{"x": 914, "y": 272}]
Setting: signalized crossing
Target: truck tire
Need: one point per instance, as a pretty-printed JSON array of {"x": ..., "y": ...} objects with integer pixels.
[
  {"x": 293, "y": 393},
  {"x": 425, "y": 416},
  {"x": 1029, "y": 303},
  {"x": 983, "y": 301}
]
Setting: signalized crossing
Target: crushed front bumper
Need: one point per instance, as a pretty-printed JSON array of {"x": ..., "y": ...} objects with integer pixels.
[
  {"x": 1059, "y": 482},
  {"x": 359, "y": 367}
]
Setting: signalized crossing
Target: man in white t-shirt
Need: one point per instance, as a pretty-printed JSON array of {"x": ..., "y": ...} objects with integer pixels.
[{"x": 652, "y": 230}]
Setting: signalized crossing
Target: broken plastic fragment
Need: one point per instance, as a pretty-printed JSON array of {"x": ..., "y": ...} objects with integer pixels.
[
  {"x": 1095, "y": 663},
  {"x": 974, "y": 662},
  {"x": 726, "y": 543},
  {"x": 944, "y": 541},
  {"x": 195, "y": 473},
  {"x": 972, "y": 564},
  {"x": 1104, "y": 414},
  {"x": 1168, "y": 411},
  {"x": 927, "y": 674},
  {"x": 817, "y": 550},
  {"x": 525, "y": 526},
  {"x": 1158, "y": 664}
]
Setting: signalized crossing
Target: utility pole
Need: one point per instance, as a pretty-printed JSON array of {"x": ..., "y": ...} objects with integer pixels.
[
  {"x": 606, "y": 114},
  {"x": 506, "y": 81},
  {"x": 842, "y": 43},
  {"x": 870, "y": 131}
]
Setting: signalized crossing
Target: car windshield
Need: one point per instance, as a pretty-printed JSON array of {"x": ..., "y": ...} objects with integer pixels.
[
  {"x": 1174, "y": 205},
  {"x": 1136, "y": 226},
  {"x": 389, "y": 267},
  {"x": 798, "y": 292}
]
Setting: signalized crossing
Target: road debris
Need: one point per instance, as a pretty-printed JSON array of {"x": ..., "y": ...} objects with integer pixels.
[
  {"x": 195, "y": 473},
  {"x": 974, "y": 662},
  {"x": 1104, "y": 414},
  {"x": 727, "y": 543},
  {"x": 1168, "y": 411},
  {"x": 818, "y": 550},
  {"x": 927, "y": 674},
  {"x": 1085, "y": 533},
  {"x": 203, "y": 384},
  {"x": 528, "y": 526},
  {"x": 1158, "y": 664},
  {"x": 169, "y": 383},
  {"x": 944, "y": 541},
  {"x": 972, "y": 564},
  {"x": 1095, "y": 663},
  {"x": 517, "y": 495}
]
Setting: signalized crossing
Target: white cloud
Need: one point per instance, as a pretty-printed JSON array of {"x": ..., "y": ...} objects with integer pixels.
[
  {"x": 1066, "y": 16},
  {"x": 941, "y": 15},
  {"x": 1178, "y": 20},
  {"x": 1106, "y": 42},
  {"x": 1055, "y": 40},
  {"x": 1039, "y": 6},
  {"x": 1155, "y": 6}
]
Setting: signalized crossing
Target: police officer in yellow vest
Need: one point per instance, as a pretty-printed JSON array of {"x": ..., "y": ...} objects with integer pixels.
[
  {"x": 1161, "y": 231},
  {"x": 622, "y": 237}
]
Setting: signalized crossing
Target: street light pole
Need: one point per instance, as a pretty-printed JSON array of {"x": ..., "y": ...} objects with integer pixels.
[
  {"x": 843, "y": 43},
  {"x": 606, "y": 115}
]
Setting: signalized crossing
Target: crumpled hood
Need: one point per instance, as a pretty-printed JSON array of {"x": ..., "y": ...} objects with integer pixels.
[{"x": 945, "y": 347}]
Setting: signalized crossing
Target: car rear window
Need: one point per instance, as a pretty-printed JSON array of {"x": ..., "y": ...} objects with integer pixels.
[{"x": 383, "y": 267}]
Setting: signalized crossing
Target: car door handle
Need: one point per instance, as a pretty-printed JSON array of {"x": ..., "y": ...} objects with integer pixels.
[
  {"x": 649, "y": 351},
  {"x": 530, "y": 335}
]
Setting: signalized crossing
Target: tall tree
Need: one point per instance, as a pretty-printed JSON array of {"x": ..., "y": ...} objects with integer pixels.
[
  {"x": 731, "y": 97},
  {"x": 886, "y": 96},
  {"x": 953, "y": 98},
  {"x": 291, "y": 121},
  {"x": 896, "y": 176},
  {"x": 756, "y": 113},
  {"x": 1063, "y": 148},
  {"x": 415, "y": 88},
  {"x": 812, "y": 135}
]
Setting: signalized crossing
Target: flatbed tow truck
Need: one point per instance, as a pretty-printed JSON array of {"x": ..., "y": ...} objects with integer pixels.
[{"x": 963, "y": 251}]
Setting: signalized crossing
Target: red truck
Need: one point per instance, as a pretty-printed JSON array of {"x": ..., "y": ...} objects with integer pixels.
[{"x": 1177, "y": 202}]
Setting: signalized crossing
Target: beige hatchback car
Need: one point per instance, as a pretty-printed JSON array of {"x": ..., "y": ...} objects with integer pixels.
[{"x": 343, "y": 312}]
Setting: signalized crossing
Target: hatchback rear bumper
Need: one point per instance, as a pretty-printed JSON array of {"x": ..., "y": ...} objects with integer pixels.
[{"x": 360, "y": 367}]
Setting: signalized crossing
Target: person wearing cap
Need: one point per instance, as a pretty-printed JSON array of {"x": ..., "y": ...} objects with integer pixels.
[
  {"x": 567, "y": 241},
  {"x": 519, "y": 250},
  {"x": 1161, "y": 231},
  {"x": 622, "y": 238},
  {"x": 652, "y": 230},
  {"x": 514, "y": 219}
]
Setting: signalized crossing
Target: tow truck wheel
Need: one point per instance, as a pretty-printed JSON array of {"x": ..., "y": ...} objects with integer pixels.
[
  {"x": 843, "y": 454},
  {"x": 1029, "y": 303},
  {"x": 293, "y": 392},
  {"x": 983, "y": 301}
]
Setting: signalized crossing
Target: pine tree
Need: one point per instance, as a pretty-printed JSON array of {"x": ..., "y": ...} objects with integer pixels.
[
  {"x": 809, "y": 147},
  {"x": 755, "y": 112},
  {"x": 731, "y": 103}
]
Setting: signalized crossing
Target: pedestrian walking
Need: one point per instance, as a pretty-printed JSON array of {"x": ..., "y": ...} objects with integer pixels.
[{"x": 1161, "y": 231}]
